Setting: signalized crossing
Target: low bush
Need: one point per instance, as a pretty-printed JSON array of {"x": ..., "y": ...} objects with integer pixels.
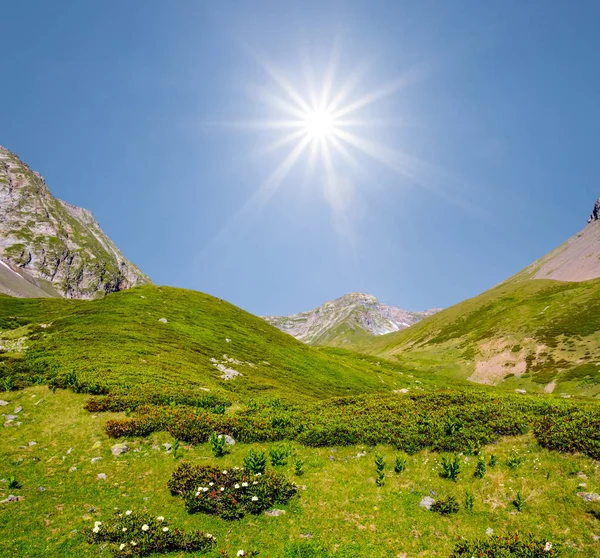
[
  {"x": 450, "y": 467},
  {"x": 255, "y": 462},
  {"x": 499, "y": 546},
  {"x": 576, "y": 432},
  {"x": 230, "y": 494},
  {"x": 446, "y": 506},
  {"x": 133, "y": 533}
]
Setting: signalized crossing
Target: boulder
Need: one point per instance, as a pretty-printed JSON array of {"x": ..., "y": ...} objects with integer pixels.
[
  {"x": 119, "y": 449},
  {"x": 427, "y": 502}
]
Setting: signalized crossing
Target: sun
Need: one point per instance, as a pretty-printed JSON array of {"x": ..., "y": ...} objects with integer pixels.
[{"x": 320, "y": 125}]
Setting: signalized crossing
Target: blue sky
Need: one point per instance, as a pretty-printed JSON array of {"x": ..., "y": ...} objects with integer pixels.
[{"x": 487, "y": 160}]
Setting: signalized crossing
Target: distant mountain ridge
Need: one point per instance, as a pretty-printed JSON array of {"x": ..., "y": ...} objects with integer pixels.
[
  {"x": 338, "y": 321},
  {"x": 49, "y": 247}
]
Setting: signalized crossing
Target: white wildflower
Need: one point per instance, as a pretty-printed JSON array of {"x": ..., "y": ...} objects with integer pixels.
[
  {"x": 224, "y": 472},
  {"x": 122, "y": 546},
  {"x": 133, "y": 543},
  {"x": 548, "y": 547},
  {"x": 165, "y": 529},
  {"x": 211, "y": 483},
  {"x": 128, "y": 512},
  {"x": 236, "y": 468},
  {"x": 97, "y": 523},
  {"x": 205, "y": 489},
  {"x": 236, "y": 486},
  {"x": 255, "y": 498},
  {"x": 255, "y": 482},
  {"x": 160, "y": 518},
  {"x": 222, "y": 488},
  {"x": 145, "y": 527},
  {"x": 96, "y": 529},
  {"x": 244, "y": 484},
  {"x": 124, "y": 529},
  {"x": 241, "y": 553}
]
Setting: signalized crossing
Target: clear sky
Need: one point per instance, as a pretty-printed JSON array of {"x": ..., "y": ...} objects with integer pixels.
[{"x": 471, "y": 138}]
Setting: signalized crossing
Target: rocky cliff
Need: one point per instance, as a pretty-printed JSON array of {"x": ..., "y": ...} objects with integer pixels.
[
  {"x": 339, "y": 321},
  {"x": 59, "y": 247}
]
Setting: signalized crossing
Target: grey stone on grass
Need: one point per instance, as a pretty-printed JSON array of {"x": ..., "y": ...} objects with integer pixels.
[
  {"x": 119, "y": 449},
  {"x": 427, "y": 502}
]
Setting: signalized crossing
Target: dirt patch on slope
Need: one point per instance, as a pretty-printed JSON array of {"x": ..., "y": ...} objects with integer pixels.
[{"x": 496, "y": 360}]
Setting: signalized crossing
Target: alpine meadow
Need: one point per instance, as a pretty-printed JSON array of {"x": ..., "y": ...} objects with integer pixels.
[{"x": 423, "y": 151}]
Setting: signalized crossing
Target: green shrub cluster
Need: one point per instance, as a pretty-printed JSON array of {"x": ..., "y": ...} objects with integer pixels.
[
  {"x": 456, "y": 422},
  {"x": 230, "y": 494},
  {"x": 513, "y": 545},
  {"x": 132, "y": 533},
  {"x": 578, "y": 431},
  {"x": 116, "y": 402}
]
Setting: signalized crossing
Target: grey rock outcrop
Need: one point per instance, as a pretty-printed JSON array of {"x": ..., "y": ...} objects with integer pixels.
[
  {"x": 50, "y": 247},
  {"x": 595, "y": 216}
]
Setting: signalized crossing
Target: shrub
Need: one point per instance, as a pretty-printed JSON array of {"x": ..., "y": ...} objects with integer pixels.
[
  {"x": 450, "y": 467},
  {"x": 514, "y": 460},
  {"x": 446, "y": 506},
  {"x": 515, "y": 546},
  {"x": 13, "y": 483},
  {"x": 139, "y": 534},
  {"x": 493, "y": 460},
  {"x": 519, "y": 502},
  {"x": 480, "y": 468},
  {"x": 255, "y": 462},
  {"x": 298, "y": 464},
  {"x": 469, "y": 500},
  {"x": 380, "y": 469},
  {"x": 278, "y": 455},
  {"x": 230, "y": 494},
  {"x": 217, "y": 444},
  {"x": 400, "y": 464}
]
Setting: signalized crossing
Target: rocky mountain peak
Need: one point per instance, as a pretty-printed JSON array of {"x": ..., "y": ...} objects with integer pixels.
[
  {"x": 339, "y": 321},
  {"x": 54, "y": 243},
  {"x": 595, "y": 216}
]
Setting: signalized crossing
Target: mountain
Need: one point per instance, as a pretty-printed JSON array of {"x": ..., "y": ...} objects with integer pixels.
[
  {"x": 174, "y": 341},
  {"x": 538, "y": 330},
  {"x": 352, "y": 316},
  {"x": 49, "y": 247}
]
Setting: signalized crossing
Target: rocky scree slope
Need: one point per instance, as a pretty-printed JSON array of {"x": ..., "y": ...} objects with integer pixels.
[
  {"x": 539, "y": 330},
  {"x": 339, "y": 321},
  {"x": 58, "y": 248}
]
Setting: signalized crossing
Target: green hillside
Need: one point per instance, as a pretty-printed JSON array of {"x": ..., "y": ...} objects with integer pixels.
[
  {"x": 122, "y": 343},
  {"x": 540, "y": 335}
]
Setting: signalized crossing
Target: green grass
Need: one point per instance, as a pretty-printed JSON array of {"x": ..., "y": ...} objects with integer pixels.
[
  {"x": 119, "y": 343},
  {"x": 339, "y": 506},
  {"x": 552, "y": 327}
]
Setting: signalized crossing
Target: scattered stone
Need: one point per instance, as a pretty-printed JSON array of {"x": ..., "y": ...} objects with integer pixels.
[
  {"x": 10, "y": 417},
  {"x": 565, "y": 395},
  {"x": 361, "y": 454},
  {"x": 3, "y": 403},
  {"x": 403, "y": 390},
  {"x": 11, "y": 498},
  {"x": 119, "y": 449},
  {"x": 589, "y": 496},
  {"x": 229, "y": 440},
  {"x": 38, "y": 402},
  {"x": 22, "y": 447},
  {"x": 306, "y": 535},
  {"x": 489, "y": 531},
  {"x": 596, "y": 537},
  {"x": 427, "y": 502},
  {"x": 18, "y": 410},
  {"x": 69, "y": 451},
  {"x": 32, "y": 443},
  {"x": 95, "y": 459},
  {"x": 41, "y": 489},
  {"x": 581, "y": 485},
  {"x": 228, "y": 340},
  {"x": 72, "y": 469},
  {"x": 101, "y": 476},
  {"x": 163, "y": 320},
  {"x": 582, "y": 475},
  {"x": 92, "y": 509},
  {"x": 168, "y": 447},
  {"x": 155, "y": 447},
  {"x": 521, "y": 391},
  {"x": 275, "y": 512}
]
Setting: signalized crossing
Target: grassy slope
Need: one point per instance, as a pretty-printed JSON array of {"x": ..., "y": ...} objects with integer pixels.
[
  {"x": 553, "y": 327},
  {"x": 118, "y": 341},
  {"x": 340, "y": 507}
]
